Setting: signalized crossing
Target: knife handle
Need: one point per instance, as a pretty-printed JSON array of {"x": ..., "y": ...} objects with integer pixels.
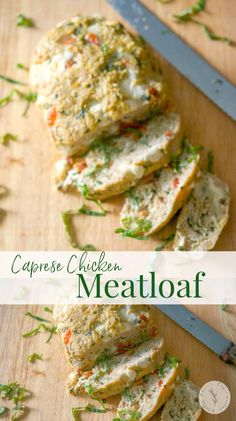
[{"x": 229, "y": 356}]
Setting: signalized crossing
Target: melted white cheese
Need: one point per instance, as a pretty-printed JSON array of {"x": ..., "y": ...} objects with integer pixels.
[{"x": 95, "y": 108}]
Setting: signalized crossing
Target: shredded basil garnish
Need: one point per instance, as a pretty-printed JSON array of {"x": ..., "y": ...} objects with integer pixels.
[
  {"x": 22, "y": 67},
  {"x": 29, "y": 97},
  {"x": 105, "y": 49},
  {"x": 6, "y": 138},
  {"x": 165, "y": 241},
  {"x": 177, "y": 163},
  {"x": 33, "y": 332},
  {"x": 128, "y": 415},
  {"x": 105, "y": 362},
  {"x": 41, "y": 327},
  {"x": 106, "y": 147},
  {"x": 48, "y": 310},
  {"x": 67, "y": 218},
  {"x": 211, "y": 35},
  {"x": 22, "y": 20},
  {"x": 191, "y": 149},
  {"x": 127, "y": 394},
  {"x": 69, "y": 230},
  {"x": 40, "y": 319},
  {"x": 170, "y": 362},
  {"x": 186, "y": 14},
  {"x": 10, "y": 80},
  {"x": 18, "y": 411},
  {"x": 8, "y": 98},
  {"x": 210, "y": 162},
  {"x": 141, "y": 226},
  {"x": 3, "y": 410},
  {"x": 88, "y": 247},
  {"x": 132, "y": 196},
  {"x": 86, "y": 211},
  {"x": 131, "y": 234},
  {"x": 88, "y": 408},
  {"x": 15, "y": 393},
  {"x": 90, "y": 391},
  {"x": 88, "y": 196},
  {"x": 32, "y": 358},
  {"x": 186, "y": 373}
]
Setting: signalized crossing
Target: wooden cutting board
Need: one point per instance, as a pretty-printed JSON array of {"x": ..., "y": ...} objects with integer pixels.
[{"x": 33, "y": 205}]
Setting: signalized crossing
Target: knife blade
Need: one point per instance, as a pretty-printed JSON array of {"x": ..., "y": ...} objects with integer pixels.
[
  {"x": 200, "y": 330},
  {"x": 182, "y": 57}
]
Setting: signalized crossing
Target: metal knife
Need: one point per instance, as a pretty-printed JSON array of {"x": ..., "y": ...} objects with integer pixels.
[
  {"x": 221, "y": 346},
  {"x": 179, "y": 55}
]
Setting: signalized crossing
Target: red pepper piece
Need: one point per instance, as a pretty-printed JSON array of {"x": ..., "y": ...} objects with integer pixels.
[
  {"x": 67, "y": 337},
  {"x": 69, "y": 63},
  {"x": 169, "y": 133},
  {"x": 160, "y": 383},
  {"x": 153, "y": 91},
  {"x": 80, "y": 166},
  {"x": 143, "y": 317},
  {"x": 175, "y": 182},
  {"x": 92, "y": 38},
  {"x": 52, "y": 115}
]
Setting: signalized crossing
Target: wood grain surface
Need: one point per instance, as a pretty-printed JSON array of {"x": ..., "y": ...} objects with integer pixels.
[{"x": 33, "y": 205}]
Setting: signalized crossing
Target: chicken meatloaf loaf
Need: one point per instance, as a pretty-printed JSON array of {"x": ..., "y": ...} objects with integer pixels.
[
  {"x": 114, "y": 165},
  {"x": 89, "y": 332},
  {"x": 111, "y": 375},
  {"x": 91, "y": 75}
]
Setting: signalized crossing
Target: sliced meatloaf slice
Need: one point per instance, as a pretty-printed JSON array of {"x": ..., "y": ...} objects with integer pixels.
[
  {"x": 204, "y": 215},
  {"x": 152, "y": 204},
  {"x": 91, "y": 331},
  {"x": 111, "y": 375},
  {"x": 142, "y": 400},
  {"x": 114, "y": 165}
]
